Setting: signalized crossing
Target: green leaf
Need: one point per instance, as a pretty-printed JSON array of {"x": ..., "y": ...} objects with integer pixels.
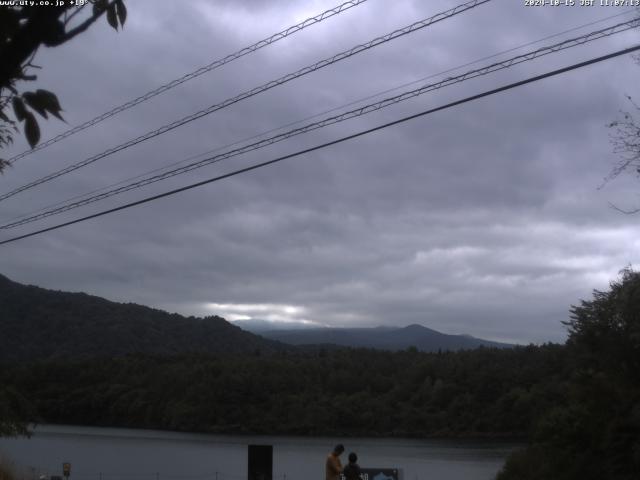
[
  {"x": 19, "y": 109},
  {"x": 112, "y": 16},
  {"x": 121, "y": 11},
  {"x": 31, "y": 129},
  {"x": 35, "y": 102},
  {"x": 50, "y": 102}
]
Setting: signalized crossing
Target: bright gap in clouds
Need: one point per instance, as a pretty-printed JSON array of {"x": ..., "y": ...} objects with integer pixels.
[{"x": 270, "y": 312}]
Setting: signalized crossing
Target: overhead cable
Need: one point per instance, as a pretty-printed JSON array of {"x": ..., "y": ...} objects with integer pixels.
[
  {"x": 250, "y": 93},
  {"x": 494, "y": 67},
  {"x": 333, "y": 142},
  {"x": 196, "y": 73},
  {"x": 315, "y": 115}
]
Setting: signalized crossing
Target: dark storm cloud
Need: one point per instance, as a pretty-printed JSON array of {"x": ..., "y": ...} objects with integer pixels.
[{"x": 482, "y": 219}]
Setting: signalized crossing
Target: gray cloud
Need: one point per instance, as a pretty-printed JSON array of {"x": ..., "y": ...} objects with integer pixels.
[{"x": 482, "y": 219}]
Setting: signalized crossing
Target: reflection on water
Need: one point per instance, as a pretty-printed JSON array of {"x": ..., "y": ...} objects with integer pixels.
[{"x": 124, "y": 454}]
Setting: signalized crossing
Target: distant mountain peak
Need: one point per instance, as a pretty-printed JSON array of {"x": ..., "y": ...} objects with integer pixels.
[
  {"x": 384, "y": 338},
  {"x": 415, "y": 326},
  {"x": 420, "y": 329}
]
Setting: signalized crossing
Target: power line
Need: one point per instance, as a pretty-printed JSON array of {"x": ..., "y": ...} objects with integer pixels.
[
  {"x": 267, "y": 86},
  {"x": 494, "y": 67},
  {"x": 316, "y": 115},
  {"x": 333, "y": 142},
  {"x": 336, "y": 119},
  {"x": 196, "y": 73}
]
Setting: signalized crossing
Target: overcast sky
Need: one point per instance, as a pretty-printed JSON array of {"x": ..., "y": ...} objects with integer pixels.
[{"x": 483, "y": 219}]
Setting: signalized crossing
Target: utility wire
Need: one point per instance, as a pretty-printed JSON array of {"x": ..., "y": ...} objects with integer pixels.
[
  {"x": 570, "y": 43},
  {"x": 333, "y": 142},
  {"x": 316, "y": 115},
  {"x": 267, "y": 86},
  {"x": 196, "y": 73}
]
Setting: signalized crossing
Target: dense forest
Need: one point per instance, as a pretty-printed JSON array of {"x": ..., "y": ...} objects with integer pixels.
[
  {"x": 577, "y": 404},
  {"x": 340, "y": 392},
  {"x": 592, "y": 430}
]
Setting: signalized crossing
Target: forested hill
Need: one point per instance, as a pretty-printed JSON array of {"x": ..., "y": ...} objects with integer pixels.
[
  {"x": 578, "y": 404},
  {"x": 385, "y": 338},
  {"x": 36, "y": 323}
]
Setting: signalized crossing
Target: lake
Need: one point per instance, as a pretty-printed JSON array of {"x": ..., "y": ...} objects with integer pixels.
[{"x": 126, "y": 454}]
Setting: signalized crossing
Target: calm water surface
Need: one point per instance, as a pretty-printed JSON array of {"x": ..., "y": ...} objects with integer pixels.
[{"x": 124, "y": 454}]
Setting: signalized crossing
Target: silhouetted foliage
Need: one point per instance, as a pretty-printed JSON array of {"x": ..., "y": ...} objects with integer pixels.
[
  {"x": 23, "y": 29},
  {"x": 625, "y": 138},
  {"x": 594, "y": 431},
  {"x": 15, "y": 411}
]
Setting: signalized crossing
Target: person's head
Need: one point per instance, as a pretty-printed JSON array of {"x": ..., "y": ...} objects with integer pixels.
[
  {"x": 338, "y": 449},
  {"x": 353, "y": 458}
]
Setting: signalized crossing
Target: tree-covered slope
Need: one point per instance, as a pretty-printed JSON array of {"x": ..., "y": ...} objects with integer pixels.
[
  {"x": 593, "y": 430},
  {"x": 36, "y": 323}
]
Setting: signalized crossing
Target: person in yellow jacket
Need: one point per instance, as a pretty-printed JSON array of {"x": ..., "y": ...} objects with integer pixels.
[{"x": 333, "y": 467}]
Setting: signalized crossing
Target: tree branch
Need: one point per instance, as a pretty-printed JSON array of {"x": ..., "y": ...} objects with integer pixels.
[
  {"x": 82, "y": 27},
  {"x": 70, "y": 17}
]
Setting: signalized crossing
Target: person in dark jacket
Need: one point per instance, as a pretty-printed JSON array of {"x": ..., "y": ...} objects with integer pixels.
[{"x": 352, "y": 470}]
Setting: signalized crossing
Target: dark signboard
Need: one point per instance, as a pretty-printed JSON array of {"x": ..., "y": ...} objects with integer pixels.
[
  {"x": 260, "y": 462},
  {"x": 378, "y": 474}
]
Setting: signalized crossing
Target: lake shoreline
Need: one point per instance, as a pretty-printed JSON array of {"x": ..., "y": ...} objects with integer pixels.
[
  {"x": 97, "y": 453},
  {"x": 471, "y": 437}
]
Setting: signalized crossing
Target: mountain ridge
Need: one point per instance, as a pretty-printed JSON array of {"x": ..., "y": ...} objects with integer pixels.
[
  {"x": 381, "y": 337},
  {"x": 38, "y": 323}
]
